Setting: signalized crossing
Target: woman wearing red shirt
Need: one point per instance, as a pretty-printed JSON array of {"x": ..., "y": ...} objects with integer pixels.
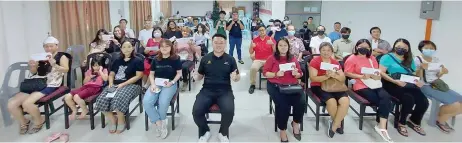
[
  {"x": 337, "y": 102},
  {"x": 378, "y": 96},
  {"x": 283, "y": 101},
  {"x": 263, "y": 47},
  {"x": 150, "y": 53}
]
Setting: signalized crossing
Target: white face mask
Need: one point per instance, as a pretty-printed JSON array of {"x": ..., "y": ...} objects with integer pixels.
[{"x": 157, "y": 35}]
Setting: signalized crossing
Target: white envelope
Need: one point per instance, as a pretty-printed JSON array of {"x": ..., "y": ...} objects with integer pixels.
[
  {"x": 374, "y": 71},
  {"x": 286, "y": 66},
  {"x": 111, "y": 95},
  {"x": 161, "y": 81},
  {"x": 155, "y": 48},
  {"x": 198, "y": 42},
  {"x": 107, "y": 37},
  {"x": 40, "y": 56},
  {"x": 274, "y": 28},
  {"x": 183, "y": 40},
  {"x": 328, "y": 66},
  {"x": 172, "y": 39},
  {"x": 434, "y": 66},
  {"x": 180, "y": 24},
  {"x": 409, "y": 79},
  {"x": 203, "y": 22},
  {"x": 344, "y": 54}
]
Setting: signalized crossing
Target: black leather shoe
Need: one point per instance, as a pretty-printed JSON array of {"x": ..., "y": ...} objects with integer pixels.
[
  {"x": 339, "y": 130},
  {"x": 252, "y": 89},
  {"x": 297, "y": 136}
]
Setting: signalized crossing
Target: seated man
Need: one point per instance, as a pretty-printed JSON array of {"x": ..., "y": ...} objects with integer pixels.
[
  {"x": 261, "y": 48},
  {"x": 217, "y": 68}
]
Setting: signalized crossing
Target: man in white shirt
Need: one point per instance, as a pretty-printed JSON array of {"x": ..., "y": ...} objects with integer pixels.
[
  {"x": 317, "y": 40},
  {"x": 379, "y": 46},
  {"x": 128, "y": 32},
  {"x": 146, "y": 33}
]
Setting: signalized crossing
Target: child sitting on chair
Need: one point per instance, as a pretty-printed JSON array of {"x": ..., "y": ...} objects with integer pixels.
[{"x": 93, "y": 82}]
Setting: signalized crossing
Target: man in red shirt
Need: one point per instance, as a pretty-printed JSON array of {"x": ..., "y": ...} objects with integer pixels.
[{"x": 263, "y": 46}]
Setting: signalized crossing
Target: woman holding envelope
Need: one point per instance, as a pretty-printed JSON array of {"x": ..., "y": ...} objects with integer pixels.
[
  {"x": 151, "y": 50},
  {"x": 165, "y": 72},
  {"x": 364, "y": 69},
  {"x": 116, "y": 42},
  {"x": 186, "y": 49},
  {"x": 397, "y": 69},
  {"x": 431, "y": 70},
  {"x": 283, "y": 70},
  {"x": 124, "y": 81},
  {"x": 323, "y": 68}
]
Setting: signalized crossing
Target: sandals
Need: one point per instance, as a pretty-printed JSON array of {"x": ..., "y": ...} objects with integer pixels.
[
  {"x": 449, "y": 127},
  {"x": 24, "y": 128},
  {"x": 402, "y": 130},
  {"x": 63, "y": 137},
  {"x": 381, "y": 132},
  {"x": 112, "y": 128},
  {"x": 443, "y": 128},
  {"x": 122, "y": 130},
  {"x": 36, "y": 128},
  {"x": 416, "y": 128}
]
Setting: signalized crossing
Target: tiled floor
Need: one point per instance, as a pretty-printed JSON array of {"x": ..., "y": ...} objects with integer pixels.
[{"x": 252, "y": 123}]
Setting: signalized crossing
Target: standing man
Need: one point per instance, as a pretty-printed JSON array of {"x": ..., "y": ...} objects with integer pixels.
[
  {"x": 317, "y": 40},
  {"x": 311, "y": 25},
  {"x": 146, "y": 33},
  {"x": 235, "y": 28},
  {"x": 128, "y": 32},
  {"x": 220, "y": 25},
  {"x": 334, "y": 35},
  {"x": 379, "y": 46},
  {"x": 217, "y": 69}
]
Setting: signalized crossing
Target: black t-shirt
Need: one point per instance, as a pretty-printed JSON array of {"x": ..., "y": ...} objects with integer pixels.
[
  {"x": 170, "y": 34},
  {"x": 124, "y": 70},
  {"x": 217, "y": 71},
  {"x": 235, "y": 30},
  {"x": 166, "y": 68}
]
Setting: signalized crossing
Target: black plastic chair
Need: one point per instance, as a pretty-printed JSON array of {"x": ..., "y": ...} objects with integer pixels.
[{"x": 173, "y": 108}]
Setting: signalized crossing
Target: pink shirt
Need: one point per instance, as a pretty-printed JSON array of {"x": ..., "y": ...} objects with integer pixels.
[
  {"x": 354, "y": 64},
  {"x": 99, "y": 79}
]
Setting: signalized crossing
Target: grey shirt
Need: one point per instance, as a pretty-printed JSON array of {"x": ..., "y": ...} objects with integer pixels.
[{"x": 381, "y": 44}]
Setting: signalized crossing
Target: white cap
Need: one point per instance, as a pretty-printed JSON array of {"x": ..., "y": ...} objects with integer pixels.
[{"x": 50, "y": 40}]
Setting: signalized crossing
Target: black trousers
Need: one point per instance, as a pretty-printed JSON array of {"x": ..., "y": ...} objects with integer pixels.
[
  {"x": 204, "y": 100},
  {"x": 409, "y": 96},
  {"x": 185, "y": 66},
  {"x": 380, "y": 98},
  {"x": 283, "y": 102}
]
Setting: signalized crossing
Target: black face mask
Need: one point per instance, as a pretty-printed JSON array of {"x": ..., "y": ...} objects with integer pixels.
[
  {"x": 320, "y": 32},
  {"x": 363, "y": 51},
  {"x": 401, "y": 51},
  {"x": 345, "y": 36},
  {"x": 304, "y": 26}
]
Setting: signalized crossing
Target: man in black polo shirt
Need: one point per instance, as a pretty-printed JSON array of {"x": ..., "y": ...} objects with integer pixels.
[
  {"x": 235, "y": 28},
  {"x": 217, "y": 69}
]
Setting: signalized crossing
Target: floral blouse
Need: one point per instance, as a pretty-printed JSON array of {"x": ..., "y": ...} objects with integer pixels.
[
  {"x": 296, "y": 45},
  {"x": 97, "y": 48}
]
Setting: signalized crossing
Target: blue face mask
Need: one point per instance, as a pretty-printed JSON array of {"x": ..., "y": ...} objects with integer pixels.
[
  {"x": 291, "y": 33},
  {"x": 428, "y": 52}
]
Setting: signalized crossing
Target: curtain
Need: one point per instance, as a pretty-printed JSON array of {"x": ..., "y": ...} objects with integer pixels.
[
  {"x": 139, "y": 12},
  {"x": 97, "y": 17},
  {"x": 166, "y": 8},
  {"x": 67, "y": 23}
]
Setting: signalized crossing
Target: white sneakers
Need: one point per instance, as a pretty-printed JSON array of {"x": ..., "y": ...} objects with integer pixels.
[
  {"x": 204, "y": 138},
  {"x": 223, "y": 139},
  {"x": 162, "y": 130},
  {"x": 383, "y": 133}
]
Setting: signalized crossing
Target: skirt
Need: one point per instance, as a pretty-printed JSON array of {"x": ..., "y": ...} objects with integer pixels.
[{"x": 121, "y": 100}]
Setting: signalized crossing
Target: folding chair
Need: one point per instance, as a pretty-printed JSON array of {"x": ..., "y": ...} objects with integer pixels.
[
  {"x": 318, "y": 104},
  {"x": 215, "y": 110}
]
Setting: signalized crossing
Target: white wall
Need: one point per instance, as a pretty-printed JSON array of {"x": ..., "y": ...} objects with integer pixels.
[
  {"x": 22, "y": 31},
  {"x": 400, "y": 19},
  {"x": 192, "y": 8},
  {"x": 247, "y": 4},
  {"x": 119, "y": 10}
]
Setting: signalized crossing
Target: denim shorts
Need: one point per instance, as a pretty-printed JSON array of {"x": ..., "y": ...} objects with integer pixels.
[{"x": 48, "y": 90}]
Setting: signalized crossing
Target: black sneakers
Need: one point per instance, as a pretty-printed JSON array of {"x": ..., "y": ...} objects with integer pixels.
[
  {"x": 251, "y": 89},
  {"x": 339, "y": 130},
  {"x": 241, "y": 62}
]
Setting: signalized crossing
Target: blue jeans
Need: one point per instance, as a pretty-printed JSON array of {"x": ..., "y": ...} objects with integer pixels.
[
  {"x": 161, "y": 99},
  {"x": 235, "y": 41}
]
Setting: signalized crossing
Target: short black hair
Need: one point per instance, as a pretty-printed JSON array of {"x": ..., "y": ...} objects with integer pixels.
[
  {"x": 305, "y": 22},
  {"x": 425, "y": 42},
  {"x": 219, "y": 35},
  {"x": 195, "y": 19},
  {"x": 277, "y": 20},
  {"x": 345, "y": 30},
  {"x": 223, "y": 12},
  {"x": 310, "y": 18},
  {"x": 374, "y": 28},
  {"x": 123, "y": 20},
  {"x": 337, "y": 23},
  {"x": 271, "y": 20}
]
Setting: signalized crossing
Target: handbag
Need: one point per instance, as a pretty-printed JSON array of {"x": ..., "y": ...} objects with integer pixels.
[
  {"x": 372, "y": 83},
  {"x": 290, "y": 88},
  {"x": 333, "y": 85},
  {"x": 32, "y": 85},
  {"x": 437, "y": 84},
  {"x": 397, "y": 76}
]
